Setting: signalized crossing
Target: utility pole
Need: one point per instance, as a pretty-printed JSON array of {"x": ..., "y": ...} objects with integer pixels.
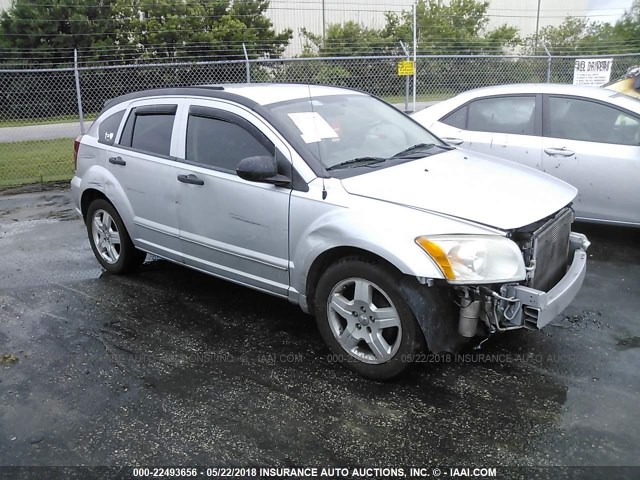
[
  {"x": 415, "y": 50},
  {"x": 324, "y": 23},
  {"x": 406, "y": 80},
  {"x": 535, "y": 50}
]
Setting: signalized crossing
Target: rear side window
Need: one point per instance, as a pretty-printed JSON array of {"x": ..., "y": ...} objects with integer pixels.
[
  {"x": 152, "y": 133},
  {"x": 109, "y": 127},
  {"x": 576, "y": 119},
  {"x": 457, "y": 119},
  {"x": 219, "y": 143},
  {"x": 512, "y": 114},
  {"x": 149, "y": 129}
]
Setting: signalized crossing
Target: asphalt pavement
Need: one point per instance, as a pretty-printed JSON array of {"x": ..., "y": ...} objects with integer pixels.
[
  {"x": 41, "y": 132},
  {"x": 170, "y": 366}
]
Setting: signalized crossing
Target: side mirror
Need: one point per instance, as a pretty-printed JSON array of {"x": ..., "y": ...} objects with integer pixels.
[{"x": 261, "y": 169}]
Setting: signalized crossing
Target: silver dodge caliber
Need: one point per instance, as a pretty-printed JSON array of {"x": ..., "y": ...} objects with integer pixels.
[{"x": 338, "y": 202}]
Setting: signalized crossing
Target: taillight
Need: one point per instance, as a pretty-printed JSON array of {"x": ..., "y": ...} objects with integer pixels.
[{"x": 76, "y": 145}]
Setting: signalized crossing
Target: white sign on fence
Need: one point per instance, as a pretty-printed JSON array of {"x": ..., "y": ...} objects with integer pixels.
[{"x": 593, "y": 72}]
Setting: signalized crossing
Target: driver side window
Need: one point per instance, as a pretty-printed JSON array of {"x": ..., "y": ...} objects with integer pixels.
[{"x": 220, "y": 143}]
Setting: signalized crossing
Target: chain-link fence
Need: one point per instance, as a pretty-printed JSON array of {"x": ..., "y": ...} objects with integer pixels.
[{"x": 39, "y": 109}]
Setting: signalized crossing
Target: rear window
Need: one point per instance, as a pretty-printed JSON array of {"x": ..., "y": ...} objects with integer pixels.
[
  {"x": 152, "y": 133},
  {"x": 587, "y": 121},
  {"x": 457, "y": 119},
  {"x": 149, "y": 129}
]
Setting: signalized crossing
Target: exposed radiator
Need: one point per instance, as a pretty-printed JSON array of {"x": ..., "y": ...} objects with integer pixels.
[{"x": 550, "y": 249}]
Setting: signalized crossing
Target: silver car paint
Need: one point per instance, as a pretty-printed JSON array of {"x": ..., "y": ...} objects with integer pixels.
[
  {"x": 224, "y": 233},
  {"x": 443, "y": 182},
  {"x": 606, "y": 175},
  {"x": 382, "y": 225}
]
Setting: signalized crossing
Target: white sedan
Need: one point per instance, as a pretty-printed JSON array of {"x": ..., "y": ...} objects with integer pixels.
[{"x": 586, "y": 136}]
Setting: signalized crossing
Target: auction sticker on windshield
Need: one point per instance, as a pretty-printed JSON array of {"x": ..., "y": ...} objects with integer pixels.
[{"x": 313, "y": 127}]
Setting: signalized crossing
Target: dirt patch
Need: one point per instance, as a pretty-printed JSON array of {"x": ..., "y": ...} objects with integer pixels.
[
  {"x": 35, "y": 187},
  {"x": 586, "y": 319},
  {"x": 8, "y": 359}
]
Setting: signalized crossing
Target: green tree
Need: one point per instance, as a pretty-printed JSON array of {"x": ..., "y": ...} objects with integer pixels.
[
  {"x": 573, "y": 36},
  {"x": 202, "y": 29},
  {"x": 349, "y": 39},
  {"x": 627, "y": 30},
  {"x": 579, "y": 36},
  {"x": 48, "y": 30},
  {"x": 457, "y": 27},
  {"x": 132, "y": 30}
]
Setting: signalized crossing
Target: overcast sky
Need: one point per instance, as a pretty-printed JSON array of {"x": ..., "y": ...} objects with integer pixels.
[
  {"x": 607, "y": 10},
  {"x": 599, "y": 10}
]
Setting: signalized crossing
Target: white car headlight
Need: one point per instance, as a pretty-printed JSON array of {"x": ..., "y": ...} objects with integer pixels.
[{"x": 475, "y": 258}]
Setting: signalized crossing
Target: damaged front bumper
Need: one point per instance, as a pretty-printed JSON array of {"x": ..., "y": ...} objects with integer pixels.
[
  {"x": 542, "y": 307},
  {"x": 534, "y": 307},
  {"x": 511, "y": 306}
]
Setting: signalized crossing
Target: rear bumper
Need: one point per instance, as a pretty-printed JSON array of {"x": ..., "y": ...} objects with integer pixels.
[{"x": 543, "y": 307}]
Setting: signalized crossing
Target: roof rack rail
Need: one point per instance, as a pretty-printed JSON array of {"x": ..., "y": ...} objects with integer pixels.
[{"x": 208, "y": 87}]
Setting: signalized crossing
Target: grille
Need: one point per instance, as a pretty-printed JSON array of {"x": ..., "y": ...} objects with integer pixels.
[{"x": 550, "y": 249}]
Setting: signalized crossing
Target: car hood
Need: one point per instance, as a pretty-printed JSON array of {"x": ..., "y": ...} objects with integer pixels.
[
  {"x": 472, "y": 186},
  {"x": 629, "y": 84}
]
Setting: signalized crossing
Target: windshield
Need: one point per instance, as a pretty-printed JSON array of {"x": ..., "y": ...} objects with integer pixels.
[{"x": 353, "y": 130}]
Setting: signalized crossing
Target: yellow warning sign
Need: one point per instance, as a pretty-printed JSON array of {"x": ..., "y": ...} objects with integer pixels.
[{"x": 406, "y": 67}]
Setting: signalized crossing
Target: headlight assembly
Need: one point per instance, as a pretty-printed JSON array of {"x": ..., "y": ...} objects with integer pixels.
[{"x": 475, "y": 258}]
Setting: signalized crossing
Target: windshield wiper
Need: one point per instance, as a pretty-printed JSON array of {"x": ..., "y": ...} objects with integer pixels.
[
  {"x": 420, "y": 147},
  {"x": 358, "y": 162}
]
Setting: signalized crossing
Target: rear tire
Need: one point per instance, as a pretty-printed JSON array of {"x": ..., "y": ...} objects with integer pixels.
[
  {"x": 364, "y": 319},
  {"x": 110, "y": 240}
]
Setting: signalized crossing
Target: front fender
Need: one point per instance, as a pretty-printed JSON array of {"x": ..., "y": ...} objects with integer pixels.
[
  {"x": 381, "y": 228},
  {"x": 388, "y": 231},
  {"x": 338, "y": 231}
]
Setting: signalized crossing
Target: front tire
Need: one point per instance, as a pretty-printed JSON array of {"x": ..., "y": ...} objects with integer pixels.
[
  {"x": 110, "y": 240},
  {"x": 364, "y": 319}
]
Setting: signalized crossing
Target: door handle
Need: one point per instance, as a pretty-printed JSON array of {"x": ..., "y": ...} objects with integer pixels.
[
  {"x": 191, "y": 178},
  {"x": 453, "y": 140},
  {"x": 559, "y": 152},
  {"x": 117, "y": 161}
]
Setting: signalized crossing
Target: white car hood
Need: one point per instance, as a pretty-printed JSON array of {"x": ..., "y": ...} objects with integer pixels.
[{"x": 467, "y": 185}]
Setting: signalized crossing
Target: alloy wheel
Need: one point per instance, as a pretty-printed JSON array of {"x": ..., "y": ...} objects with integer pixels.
[
  {"x": 364, "y": 320},
  {"x": 106, "y": 236}
]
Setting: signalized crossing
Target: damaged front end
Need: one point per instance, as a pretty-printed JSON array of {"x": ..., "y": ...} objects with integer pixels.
[{"x": 555, "y": 263}]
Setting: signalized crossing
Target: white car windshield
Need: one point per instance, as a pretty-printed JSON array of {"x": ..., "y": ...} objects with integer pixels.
[{"x": 342, "y": 131}]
